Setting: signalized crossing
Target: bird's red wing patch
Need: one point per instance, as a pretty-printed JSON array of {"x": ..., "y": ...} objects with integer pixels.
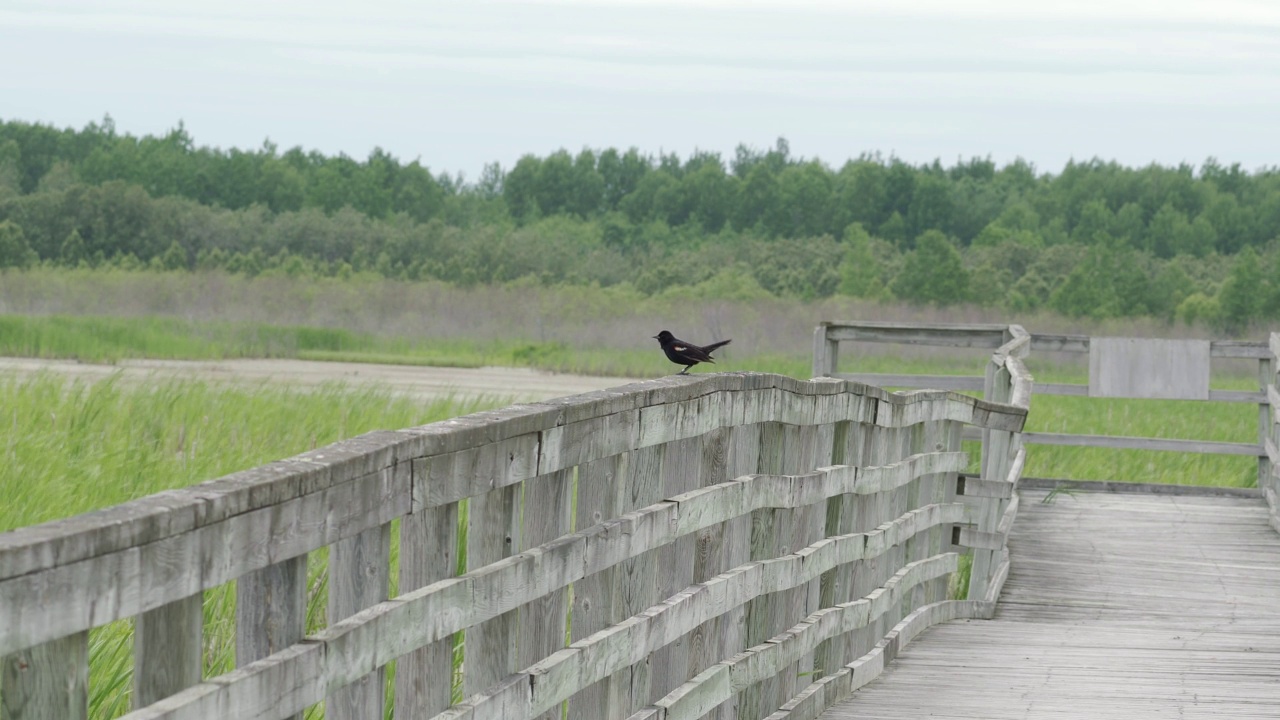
[{"x": 679, "y": 348}]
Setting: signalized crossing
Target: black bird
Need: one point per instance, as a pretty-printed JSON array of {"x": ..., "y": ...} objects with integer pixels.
[{"x": 687, "y": 354}]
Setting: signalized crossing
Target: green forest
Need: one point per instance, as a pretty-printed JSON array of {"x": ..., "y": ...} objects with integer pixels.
[{"x": 1097, "y": 239}]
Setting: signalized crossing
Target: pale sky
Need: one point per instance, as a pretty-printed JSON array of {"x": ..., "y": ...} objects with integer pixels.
[{"x": 459, "y": 84}]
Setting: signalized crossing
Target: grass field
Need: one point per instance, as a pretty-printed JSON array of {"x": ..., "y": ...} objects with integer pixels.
[{"x": 106, "y": 339}]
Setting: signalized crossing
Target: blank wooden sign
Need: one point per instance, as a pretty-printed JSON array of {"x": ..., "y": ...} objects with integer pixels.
[{"x": 1149, "y": 368}]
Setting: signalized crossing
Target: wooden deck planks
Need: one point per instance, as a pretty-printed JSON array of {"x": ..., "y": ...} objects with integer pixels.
[{"x": 1116, "y": 606}]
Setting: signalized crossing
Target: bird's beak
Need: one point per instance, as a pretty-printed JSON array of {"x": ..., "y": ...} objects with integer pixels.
[{"x": 655, "y": 337}]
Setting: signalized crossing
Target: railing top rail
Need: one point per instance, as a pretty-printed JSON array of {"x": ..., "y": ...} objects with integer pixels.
[
  {"x": 975, "y": 335},
  {"x": 167, "y": 514},
  {"x": 1246, "y": 349}
]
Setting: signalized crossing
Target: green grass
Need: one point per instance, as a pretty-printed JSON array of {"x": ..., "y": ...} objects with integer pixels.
[
  {"x": 70, "y": 447},
  {"x": 95, "y": 338}
]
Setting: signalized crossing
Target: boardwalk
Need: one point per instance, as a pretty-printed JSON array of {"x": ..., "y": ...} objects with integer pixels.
[{"x": 1117, "y": 606}]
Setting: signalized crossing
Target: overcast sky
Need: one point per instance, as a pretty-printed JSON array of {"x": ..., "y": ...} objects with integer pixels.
[{"x": 462, "y": 83}]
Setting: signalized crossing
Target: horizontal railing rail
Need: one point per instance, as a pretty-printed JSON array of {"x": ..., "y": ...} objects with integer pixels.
[{"x": 826, "y": 353}]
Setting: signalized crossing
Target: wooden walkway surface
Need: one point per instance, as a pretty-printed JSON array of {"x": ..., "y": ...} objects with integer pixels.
[{"x": 1117, "y": 606}]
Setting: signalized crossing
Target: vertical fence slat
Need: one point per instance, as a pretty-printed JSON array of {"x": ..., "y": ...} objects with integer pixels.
[
  {"x": 770, "y": 533},
  {"x": 835, "y": 583},
  {"x": 493, "y": 531},
  {"x": 995, "y": 466},
  {"x": 669, "y": 665},
  {"x": 428, "y": 553},
  {"x": 709, "y": 559},
  {"x": 596, "y": 602},
  {"x": 167, "y": 650},
  {"x": 825, "y": 352},
  {"x": 271, "y": 610},
  {"x": 743, "y": 459},
  {"x": 47, "y": 682},
  {"x": 808, "y": 447},
  {"x": 358, "y": 572},
  {"x": 635, "y": 582},
  {"x": 548, "y": 514},
  {"x": 1265, "y": 377}
]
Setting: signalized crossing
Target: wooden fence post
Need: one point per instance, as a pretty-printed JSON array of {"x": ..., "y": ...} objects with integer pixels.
[
  {"x": 428, "y": 553},
  {"x": 271, "y": 610},
  {"x": 1266, "y": 376},
  {"x": 826, "y": 352},
  {"x": 995, "y": 467},
  {"x": 47, "y": 682},
  {"x": 358, "y": 572},
  {"x": 167, "y": 650}
]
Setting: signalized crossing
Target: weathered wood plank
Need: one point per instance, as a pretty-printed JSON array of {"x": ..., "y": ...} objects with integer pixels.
[
  {"x": 493, "y": 533},
  {"x": 1149, "y": 368},
  {"x": 167, "y": 650},
  {"x": 825, "y": 352},
  {"x": 669, "y": 665},
  {"x": 47, "y": 682},
  {"x": 763, "y": 661},
  {"x": 175, "y": 512},
  {"x": 548, "y": 514},
  {"x": 88, "y": 593},
  {"x": 933, "y": 382},
  {"x": 271, "y": 611},
  {"x": 1158, "y": 646},
  {"x": 635, "y": 582},
  {"x": 973, "y": 335},
  {"x": 1238, "y": 349},
  {"x": 428, "y": 553},
  {"x": 598, "y": 655},
  {"x": 359, "y": 569},
  {"x": 1140, "y": 443},
  {"x": 596, "y": 602}
]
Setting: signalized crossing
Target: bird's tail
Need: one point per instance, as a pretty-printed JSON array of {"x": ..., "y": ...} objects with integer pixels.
[{"x": 716, "y": 346}]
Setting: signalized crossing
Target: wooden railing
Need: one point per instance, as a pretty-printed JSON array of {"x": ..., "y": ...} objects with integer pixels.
[
  {"x": 729, "y": 545},
  {"x": 1269, "y": 430},
  {"x": 1115, "y": 370}
]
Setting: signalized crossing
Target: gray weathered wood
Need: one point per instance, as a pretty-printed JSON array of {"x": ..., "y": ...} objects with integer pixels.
[
  {"x": 1159, "y": 645},
  {"x": 47, "y": 682},
  {"x": 548, "y": 514},
  {"x": 493, "y": 533},
  {"x": 1266, "y": 409},
  {"x": 88, "y": 593},
  {"x": 359, "y": 568},
  {"x": 428, "y": 553},
  {"x": 595, "y": 657},
  {"x": 635, "y": 580},
  {"x": 1149, "y": 368},
  {"x": 935, "y": 382},
  {"x": 1139, "y": 443},
  {"x": 271, "y": 610},
  {"x": 1080, "y": 344},
  {"x": 826, "y": 352},
  {"x": 596, "y": 598},
  {"x": 167, "y": 650},
  {"x": 974, "y": 335}
]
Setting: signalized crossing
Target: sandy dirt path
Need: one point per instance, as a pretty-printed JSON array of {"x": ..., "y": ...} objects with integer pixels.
[{"x": 513, "y": 384}]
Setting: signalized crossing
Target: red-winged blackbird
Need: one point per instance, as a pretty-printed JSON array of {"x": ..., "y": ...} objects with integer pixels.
[{"x": 683, "y": 353}]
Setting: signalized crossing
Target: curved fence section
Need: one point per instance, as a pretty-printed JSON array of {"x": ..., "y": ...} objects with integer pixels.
[{"x": 728, "y": 545}]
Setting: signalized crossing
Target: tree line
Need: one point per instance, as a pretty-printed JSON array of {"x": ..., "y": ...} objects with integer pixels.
[{"x": 1097, "y": 239}]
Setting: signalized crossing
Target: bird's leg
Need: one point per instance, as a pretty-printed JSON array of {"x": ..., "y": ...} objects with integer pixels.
[{"x": 685, "y": 371}]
